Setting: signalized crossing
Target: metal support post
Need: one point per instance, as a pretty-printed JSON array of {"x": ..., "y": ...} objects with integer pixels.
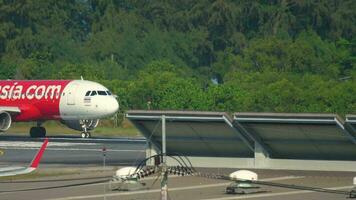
[
  {"x": 164, "y": 180},
  {"x": 104, "y": 164}
]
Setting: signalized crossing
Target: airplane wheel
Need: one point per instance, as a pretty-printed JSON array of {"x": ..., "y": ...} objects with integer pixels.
[
  {"x": 42, "y": 132},
  {"x": 86, "y": 135},
  {"x": 36, "y": 132},
  {"x": 33, "y": 132}
]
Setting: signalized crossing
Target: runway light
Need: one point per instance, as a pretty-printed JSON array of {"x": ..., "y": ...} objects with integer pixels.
[
  {"x": 125, "y": 172},
  {"x": 242, "y": 184},
  {"x": 244, "y": 175}
]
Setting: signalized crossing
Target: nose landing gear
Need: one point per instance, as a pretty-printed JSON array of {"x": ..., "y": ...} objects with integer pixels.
[{"x": 85, "y": 133}]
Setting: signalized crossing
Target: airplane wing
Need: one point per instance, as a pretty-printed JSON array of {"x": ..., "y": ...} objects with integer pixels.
[
  {"x": 10, "y": 109},
  {"x": 36, "y": 160},
  {"x": 11, "y": 168},
  {"x": 12, "y": 171}
]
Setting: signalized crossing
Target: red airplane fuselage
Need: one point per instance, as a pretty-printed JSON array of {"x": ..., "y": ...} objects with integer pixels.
[{"x": 37, "y": 100}]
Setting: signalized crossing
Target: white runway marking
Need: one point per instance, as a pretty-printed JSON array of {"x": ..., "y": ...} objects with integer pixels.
[
  {"x": 31, "y": 144},
  {"x": 108, "y": 150},
  {"x": 105, "y": 139},
  {"x": 56, "y": 146},
  {"x": 217, "y": 184},
  {"x": 15, "y": 145},
  {"x": 277, "y": 194},
  {"x": 75, "y": 149},
  {"x": 171, "y": 189}
]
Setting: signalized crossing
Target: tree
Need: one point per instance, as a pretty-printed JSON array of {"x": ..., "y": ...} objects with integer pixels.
[
  {"x": 7, "y": 71},
  {"x": 280, "y": 55}
]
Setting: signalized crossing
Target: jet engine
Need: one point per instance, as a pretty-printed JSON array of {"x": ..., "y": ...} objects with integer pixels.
[
  {"x": 5, "y": 121},
  {"x": 80, "y": 125}
]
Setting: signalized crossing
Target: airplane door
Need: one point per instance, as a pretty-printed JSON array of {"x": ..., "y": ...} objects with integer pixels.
[{"x": 71, "y": 95}]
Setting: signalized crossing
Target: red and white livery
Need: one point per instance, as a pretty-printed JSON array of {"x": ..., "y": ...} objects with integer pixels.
[
  {"x": 79, "y": 104},
  {"x": 13, "y": 171}
]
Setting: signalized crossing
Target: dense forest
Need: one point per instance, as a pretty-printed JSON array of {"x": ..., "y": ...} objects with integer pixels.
[{"x": 218, "y": 55}]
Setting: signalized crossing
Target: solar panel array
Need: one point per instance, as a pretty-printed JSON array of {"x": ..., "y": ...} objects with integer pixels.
[
  {"x": 193, "y": 133},
  {"x": 350, "y": 124},
  {"x": 300, "y": 136},
  {"x": 281, "y": 135}
]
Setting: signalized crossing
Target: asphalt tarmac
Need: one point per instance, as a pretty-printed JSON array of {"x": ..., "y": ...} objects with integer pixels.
[
  {"x": 19, "y": 150},
  {"x": 72, "y": 169},
  {"x": 82, "y": 184}
]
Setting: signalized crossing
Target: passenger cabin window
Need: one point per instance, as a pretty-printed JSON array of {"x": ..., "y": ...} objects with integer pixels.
[
  {"x": 93, "y": 93},
  {"x": 102, "y": 93},
  {"x": 88, "y": 93}
]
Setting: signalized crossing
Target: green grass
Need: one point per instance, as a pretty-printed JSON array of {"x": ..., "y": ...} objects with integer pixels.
[{"x": 105, "y": 128}]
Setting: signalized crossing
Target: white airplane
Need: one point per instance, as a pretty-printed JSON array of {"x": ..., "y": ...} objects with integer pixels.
[
  {"x": 13, "y": 171},
  {"x": 78, "y": 104}
]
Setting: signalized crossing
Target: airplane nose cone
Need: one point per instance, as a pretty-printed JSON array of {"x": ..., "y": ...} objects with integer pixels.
[{"x": 113, "y": 106}]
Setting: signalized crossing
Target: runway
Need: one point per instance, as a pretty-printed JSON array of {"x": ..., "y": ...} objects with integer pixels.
[
  {"x": 72, "y": 169},
  {"x": 180, "y": 188},
  {"x": 73, "y": 150}
]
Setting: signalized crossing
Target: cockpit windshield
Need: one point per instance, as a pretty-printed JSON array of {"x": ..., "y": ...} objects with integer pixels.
[
  {"x": 93, "y": 93},
  {"x": 103, "y": 93},
  {"x": 99, "y": 92}
]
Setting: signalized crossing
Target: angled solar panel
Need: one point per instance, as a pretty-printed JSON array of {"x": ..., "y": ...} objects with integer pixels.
[
  {"x": 299, "y": 136},
  {"x": 193, "y": 133},
  {"x": 350, "y": 124}
]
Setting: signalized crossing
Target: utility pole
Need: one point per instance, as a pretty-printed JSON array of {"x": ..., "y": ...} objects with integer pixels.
[{"x": 164, "y": 180}]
